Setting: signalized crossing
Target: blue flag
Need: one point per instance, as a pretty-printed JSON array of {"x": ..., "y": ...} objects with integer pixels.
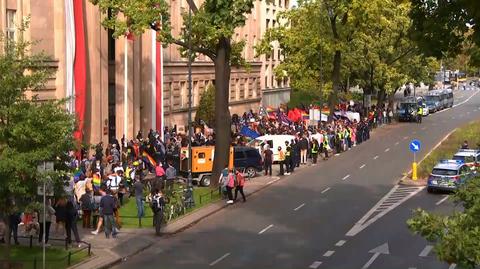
[{"x": 249, "y": 132}]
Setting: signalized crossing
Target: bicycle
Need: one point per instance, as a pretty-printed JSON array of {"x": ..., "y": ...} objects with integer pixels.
[{"x": 176, "y": 205}]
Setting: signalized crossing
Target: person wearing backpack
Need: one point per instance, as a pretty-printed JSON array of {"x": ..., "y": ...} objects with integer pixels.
[
  {"x": 239, "y": 183},
  {"x": 158, "y": 205}
]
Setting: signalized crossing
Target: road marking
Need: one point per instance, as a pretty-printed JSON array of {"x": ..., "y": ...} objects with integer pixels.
[
  {"x": 362, "y": 166},
  {"x": 405, "y": 137},
  {"x": 426, "y": 251},
  {"x": 328, "y": 253},
  {"x": 452, "y": 266},
  {"x": 424, "y": 128},
  {"x": 376, "y": 157},
  {"x": 468, "y": 99},
  {"x": 345, "y": 177},
  {"x": 219, "y": 259},
  {"x": 383, "y": 249},
  {"x": 387, "y": 150},
  {"x": 340, "y": 243},
  {"x": 315, "y": 265},
  {"x": 389, "y": 202},
  {"x": 298, "y": 207},
  {"x": 396, "y": 144},
  {"x": 443, "y": 200},
  {"x": 265, "y": 229},
  {"x": 325, "y": 190},
  {"x": 414, "y": 132}
]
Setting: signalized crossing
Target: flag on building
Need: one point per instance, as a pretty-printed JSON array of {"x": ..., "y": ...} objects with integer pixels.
[{"x": 157, "y": 84}]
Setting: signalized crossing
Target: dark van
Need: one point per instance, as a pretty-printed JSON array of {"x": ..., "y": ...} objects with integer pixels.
[{"x": 247, "y": 159}]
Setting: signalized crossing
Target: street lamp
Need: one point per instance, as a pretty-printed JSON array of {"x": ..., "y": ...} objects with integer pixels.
[{"x": 189, "y": 194}]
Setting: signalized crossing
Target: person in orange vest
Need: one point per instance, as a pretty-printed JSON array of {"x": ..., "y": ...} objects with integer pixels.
[{"x": 281, "y": 159}]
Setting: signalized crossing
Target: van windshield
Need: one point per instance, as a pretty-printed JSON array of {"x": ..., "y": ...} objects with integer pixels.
[{"x": 432, "y": 98}]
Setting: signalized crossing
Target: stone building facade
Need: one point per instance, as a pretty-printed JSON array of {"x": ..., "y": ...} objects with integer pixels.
[{"x": 119, "y": 98}]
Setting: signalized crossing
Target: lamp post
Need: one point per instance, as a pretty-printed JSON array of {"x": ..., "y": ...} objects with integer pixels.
[{"x": 189, "y": 193}]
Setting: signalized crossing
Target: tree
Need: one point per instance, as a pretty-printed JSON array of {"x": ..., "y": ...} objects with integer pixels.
[
  {"x": 209, "y": 33},
  {"x": 206, "y": 107},
  {"x": 439, "y": 26},
  {"x": 30, "y": 131},
  {"x": 456, "y": 236}
]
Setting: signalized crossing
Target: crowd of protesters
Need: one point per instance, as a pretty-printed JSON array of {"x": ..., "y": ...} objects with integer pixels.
[{"x": 104, "y": 175}]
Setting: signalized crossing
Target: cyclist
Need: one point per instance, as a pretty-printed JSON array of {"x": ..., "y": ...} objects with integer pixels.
[{"x": 158, "y": 206}]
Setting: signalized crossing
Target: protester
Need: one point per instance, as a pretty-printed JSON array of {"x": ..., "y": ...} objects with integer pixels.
[
  {"x": 267, "y": 160},
  {"x": 239, "y": 183},
  {"x": 49, "y": 213},
  {"x": 71, "y": 221},
  {"x": 139, "y": 197},
  {"x": 107, "y": 207},
  {"x": 87, "y": 205},
  {"x": 158, "y": 205}
]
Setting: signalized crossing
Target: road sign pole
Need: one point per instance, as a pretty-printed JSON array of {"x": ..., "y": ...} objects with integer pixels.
[{"x": 44, "y": 216}]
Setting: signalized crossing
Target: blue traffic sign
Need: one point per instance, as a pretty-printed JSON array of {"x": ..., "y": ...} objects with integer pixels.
[{"x": 415, "y": 145}]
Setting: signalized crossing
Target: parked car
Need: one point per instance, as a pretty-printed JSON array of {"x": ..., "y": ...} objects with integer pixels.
[
  {"x": 448, "y": 175},
  {"x": 247, "y": 159},
  {"x": 471, "y": 157}
]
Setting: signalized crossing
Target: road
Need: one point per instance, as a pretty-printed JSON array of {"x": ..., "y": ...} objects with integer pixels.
[{"x": 317, "y": 218}]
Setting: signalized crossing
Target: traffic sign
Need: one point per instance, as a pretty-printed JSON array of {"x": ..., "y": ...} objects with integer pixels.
[{"x": 415, "y": 145}]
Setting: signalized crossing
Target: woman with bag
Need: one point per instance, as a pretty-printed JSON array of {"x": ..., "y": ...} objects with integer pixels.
[{"x": 239, "y": 183}]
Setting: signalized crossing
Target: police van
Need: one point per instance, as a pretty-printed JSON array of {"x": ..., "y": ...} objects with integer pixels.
[
  {"x": 470, "y": 157},
  {"x": 448, "y": 175}
]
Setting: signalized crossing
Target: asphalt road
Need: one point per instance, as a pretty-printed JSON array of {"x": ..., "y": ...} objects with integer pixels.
[{"x": 309, "y": 219}]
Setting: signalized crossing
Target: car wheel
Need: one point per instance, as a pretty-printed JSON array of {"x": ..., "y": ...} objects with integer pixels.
[
  {"x": 206, "y": 181},
  {"x": 430, "y": 190},
  {"x": 251, "y": 172}
]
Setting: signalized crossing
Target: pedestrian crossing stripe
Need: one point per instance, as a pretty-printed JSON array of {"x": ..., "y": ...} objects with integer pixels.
[{"x": 395, "y": 197}]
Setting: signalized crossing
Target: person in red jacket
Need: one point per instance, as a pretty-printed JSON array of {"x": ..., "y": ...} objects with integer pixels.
[{"x": 239, "y": 183}]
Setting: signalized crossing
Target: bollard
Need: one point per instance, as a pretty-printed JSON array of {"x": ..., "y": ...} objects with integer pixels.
[{"x": 414, "y": 171}]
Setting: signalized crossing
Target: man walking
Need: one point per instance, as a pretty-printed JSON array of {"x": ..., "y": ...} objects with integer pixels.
[
  {"x": 158, "y": 205},
  {"x": 268, "y": 160},
  {"x": 171, "y": 174},
  {"x": 107, "y": 206},
  {"x": 138, "y": 187}
]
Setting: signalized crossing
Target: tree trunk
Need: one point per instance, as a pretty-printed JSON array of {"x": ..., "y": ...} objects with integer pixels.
[
  {"x": 381, "y": 97},
  {"x": 222, "y": 112},
  {"x": 332, "y": 100}
]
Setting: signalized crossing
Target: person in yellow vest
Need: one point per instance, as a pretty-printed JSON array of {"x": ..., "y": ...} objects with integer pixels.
[
  {"x": 315, "y": 148},
  {"x": 281, "y": 159},
  {"x": 419, "y": 114}
]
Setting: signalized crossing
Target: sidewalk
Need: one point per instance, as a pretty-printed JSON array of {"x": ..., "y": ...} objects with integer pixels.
[{"x": 108, "y": 252}]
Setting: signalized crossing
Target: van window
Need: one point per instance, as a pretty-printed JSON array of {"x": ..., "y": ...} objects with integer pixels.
[{"x": 270, "y": 143}]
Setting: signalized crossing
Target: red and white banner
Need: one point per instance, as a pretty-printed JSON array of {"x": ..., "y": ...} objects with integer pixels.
[
  {"x": 76, "y": 68},
  {"x": 157, "y": 85}
]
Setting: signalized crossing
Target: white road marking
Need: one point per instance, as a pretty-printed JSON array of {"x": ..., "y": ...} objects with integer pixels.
[
  {"x": 219, "y": 259},
  {"x": 383, "y": 249},
  {"x": 376, "y": 157},
  {"x": 405, "y": 137},
  {"x": 362, "y": 166},
  {"x": 325, "y": 190},
  {"x": 452, "y": 266},
  {"x": 315, "y": 265},
  {"x": 468, "y": 99},
  {"x": 396, "y": 143},
  {"x": 328, "y": 253},
  {"x": 340, "y": 243},
  {"x": 265, "y": 229},
  {"x": 298, "y": 207},
  {"x": 272, "y": 181},
  {"x": 443, "y": 200},
  {"x": 345, "y": 177},
  {"x": 426, "y": 251},
  {"x": 389, "y": 202},
  {"x": 424, "y": 128},
  {"x": 387, "y": 150}
]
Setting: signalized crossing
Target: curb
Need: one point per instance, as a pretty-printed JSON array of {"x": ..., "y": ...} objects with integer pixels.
[{"x": 120, "y": 259}]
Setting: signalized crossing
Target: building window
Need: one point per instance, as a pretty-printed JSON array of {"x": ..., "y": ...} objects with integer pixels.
[
  {"x": 280, "y": 3},
  {"x": 11, "y": 18},
  {"x": 266, "y": 82},
  {"x": 268, "y": 23}
]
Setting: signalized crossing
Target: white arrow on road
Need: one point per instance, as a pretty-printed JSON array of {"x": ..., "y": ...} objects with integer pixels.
[
  {"x": 383, "y": 249},
  {"x": 415, "y": 146}
]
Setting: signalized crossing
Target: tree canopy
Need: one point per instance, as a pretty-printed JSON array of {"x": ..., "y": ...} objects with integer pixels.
[{"x": 31, "y": 131}]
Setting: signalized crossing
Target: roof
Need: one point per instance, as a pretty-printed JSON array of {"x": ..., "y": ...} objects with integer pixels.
[
  {"x": 467, "y": 152},
  {"x": 449, "y": 165}
]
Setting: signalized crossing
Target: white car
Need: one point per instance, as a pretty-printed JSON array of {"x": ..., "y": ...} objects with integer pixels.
[{"x": 425, "y": 110}]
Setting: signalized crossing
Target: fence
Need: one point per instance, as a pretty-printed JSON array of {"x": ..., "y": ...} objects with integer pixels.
[{"x": 59, "y": 262}]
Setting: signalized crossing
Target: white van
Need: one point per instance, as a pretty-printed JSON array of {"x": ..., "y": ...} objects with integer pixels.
[{"x": 274, "y": 141}]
